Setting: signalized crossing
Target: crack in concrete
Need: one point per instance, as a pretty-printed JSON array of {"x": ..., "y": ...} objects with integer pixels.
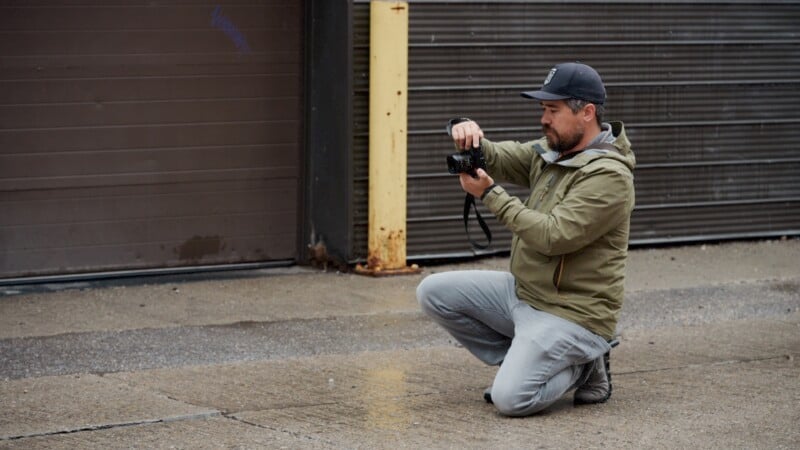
[
  {"x": 277, "y": 430},
  {"x": 109, "y": 426}
]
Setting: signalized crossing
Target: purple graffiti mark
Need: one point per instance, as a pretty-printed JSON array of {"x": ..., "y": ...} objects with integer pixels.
[{"x": 230, "y": 30}]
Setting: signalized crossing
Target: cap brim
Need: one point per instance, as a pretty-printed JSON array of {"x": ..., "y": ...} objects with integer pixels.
[{"x": 542, "y": 95}]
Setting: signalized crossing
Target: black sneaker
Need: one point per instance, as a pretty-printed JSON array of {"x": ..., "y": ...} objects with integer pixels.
[{"x": 597, "y": 387}]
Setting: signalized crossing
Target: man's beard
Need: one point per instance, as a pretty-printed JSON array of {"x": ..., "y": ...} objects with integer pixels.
[{"x": 559, "y": 143}]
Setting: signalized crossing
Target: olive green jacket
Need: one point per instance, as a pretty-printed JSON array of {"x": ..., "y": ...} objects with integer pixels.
[{"x": 571, "y": 235}]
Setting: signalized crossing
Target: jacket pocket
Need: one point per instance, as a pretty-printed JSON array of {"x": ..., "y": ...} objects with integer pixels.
[{"x": 558, "y": 273}]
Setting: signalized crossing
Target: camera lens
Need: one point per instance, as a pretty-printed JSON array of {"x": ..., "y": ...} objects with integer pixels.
[{"x": 459, "y": 163}]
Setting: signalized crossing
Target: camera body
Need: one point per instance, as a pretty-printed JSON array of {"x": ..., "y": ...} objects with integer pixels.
[{"x": 468, "y": 161}]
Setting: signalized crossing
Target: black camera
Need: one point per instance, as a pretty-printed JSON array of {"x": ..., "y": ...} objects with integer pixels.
[{"x": 468, "y": 161}]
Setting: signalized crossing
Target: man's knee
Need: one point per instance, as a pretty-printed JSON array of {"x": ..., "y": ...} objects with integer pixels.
[
  {"x": 428, "y": 294},
  {"x": 512, "y": 401}
]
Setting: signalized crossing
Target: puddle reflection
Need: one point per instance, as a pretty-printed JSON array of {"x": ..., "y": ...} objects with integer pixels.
[{"x": 384, "y": 398}]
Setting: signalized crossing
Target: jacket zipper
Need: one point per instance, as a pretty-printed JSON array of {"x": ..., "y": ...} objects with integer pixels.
[
  {"x": 545, "y": 191},
  {"x": 560, "y": 268}
]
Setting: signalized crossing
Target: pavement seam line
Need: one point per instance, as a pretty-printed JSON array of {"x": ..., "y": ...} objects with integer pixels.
[
  {"x": 717, "y": 284},
  {"x": 690, "y": 366},
  {"x": 110, "y": 426},
  {"x": 401, "y": 311},
  {"x": 231, "y": 324}
]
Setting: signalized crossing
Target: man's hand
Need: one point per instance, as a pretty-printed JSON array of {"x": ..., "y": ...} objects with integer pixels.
[
  {"x": 466, "y": 134},
  {"x": 475, "y": 186}
]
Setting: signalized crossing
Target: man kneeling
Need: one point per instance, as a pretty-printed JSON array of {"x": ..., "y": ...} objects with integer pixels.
[{"x": 548, "y": 322}]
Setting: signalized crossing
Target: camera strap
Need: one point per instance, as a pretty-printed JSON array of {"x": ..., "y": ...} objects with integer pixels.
[{"x": 469, "y": 200}]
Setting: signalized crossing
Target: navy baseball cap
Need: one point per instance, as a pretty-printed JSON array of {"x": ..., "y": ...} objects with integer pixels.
[{"x": 571, "y": 80}]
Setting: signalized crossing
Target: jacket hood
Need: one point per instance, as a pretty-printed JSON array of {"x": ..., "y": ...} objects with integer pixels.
[{"x": 613, "y": 133}]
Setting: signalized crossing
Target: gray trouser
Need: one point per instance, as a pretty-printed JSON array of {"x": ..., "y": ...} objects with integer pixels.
[{"x": 542, "y": 356}]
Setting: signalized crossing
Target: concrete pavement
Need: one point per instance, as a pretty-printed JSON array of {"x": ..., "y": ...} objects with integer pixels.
[{"x": 293, "y": 358}]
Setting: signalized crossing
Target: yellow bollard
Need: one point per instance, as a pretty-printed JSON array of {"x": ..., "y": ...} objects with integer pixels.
[{"x": 388, "y": 120}]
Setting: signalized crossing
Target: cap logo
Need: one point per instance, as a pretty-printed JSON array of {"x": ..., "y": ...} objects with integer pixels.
[{"x": 550, "y": 75}]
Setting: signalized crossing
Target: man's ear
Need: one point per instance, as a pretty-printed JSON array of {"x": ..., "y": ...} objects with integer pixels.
[{"x": 588, "y": 113}]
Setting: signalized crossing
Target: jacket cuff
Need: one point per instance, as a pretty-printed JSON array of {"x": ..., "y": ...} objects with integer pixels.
[
  {"x": 487, "y": 190},
  {"x": 490, "y": 194},
  {"x": 495, "y": 198}
]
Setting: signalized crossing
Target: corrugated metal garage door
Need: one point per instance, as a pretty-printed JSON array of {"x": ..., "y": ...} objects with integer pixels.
[
  {"x": 708, "y": 91},
  {"x": 148, "y": 134}
]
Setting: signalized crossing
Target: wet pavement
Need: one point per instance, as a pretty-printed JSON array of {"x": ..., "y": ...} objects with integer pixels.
[{"x": 294, "y": 358}]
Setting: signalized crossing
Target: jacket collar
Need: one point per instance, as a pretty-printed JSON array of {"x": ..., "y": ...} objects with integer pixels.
[
  {"x": 577, "y": 159},
  {"x": 602, "y": 145}
]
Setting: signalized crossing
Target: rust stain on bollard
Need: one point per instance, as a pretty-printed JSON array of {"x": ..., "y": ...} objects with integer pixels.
[{"x": 388, "y": 258}]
